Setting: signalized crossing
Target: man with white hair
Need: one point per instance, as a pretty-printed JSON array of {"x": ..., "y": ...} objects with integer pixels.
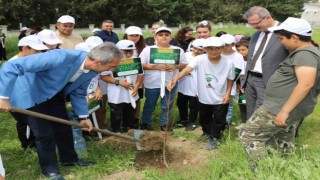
[{"x": 52, "y": 76}]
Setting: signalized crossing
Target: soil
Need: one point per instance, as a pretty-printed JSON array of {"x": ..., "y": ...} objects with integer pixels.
[{"x": 180, "y": 153}]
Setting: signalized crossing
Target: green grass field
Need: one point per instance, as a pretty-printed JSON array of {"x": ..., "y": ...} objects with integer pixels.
[{"x": 227, "y": 162}]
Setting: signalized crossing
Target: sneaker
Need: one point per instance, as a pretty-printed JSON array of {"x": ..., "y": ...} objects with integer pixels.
[
  {"x": 53, "y": 176},
  {"x": 190, "y": 127},
  {"x": 212, "y": 144},
  {"x": 203, "y": 138},
  {"x": 79, "y": 163},
  {"x": 181, "y": 123},
  {"x": 164, "y": 128}
]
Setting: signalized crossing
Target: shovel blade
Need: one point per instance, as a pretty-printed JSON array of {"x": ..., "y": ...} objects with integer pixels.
[{"x": 136, "y": 135}]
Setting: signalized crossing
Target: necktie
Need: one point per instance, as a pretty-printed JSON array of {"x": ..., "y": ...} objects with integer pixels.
[{"x": 259, "y": 51}]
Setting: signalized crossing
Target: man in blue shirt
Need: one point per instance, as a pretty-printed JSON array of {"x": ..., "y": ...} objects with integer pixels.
[{"x": 106, "y": 34}]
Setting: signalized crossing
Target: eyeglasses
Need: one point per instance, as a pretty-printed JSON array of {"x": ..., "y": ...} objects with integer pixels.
[{"x": 256, "y": 23}]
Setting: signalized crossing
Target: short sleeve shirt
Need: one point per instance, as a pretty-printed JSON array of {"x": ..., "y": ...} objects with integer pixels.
[{"x": 284, "y": 80}]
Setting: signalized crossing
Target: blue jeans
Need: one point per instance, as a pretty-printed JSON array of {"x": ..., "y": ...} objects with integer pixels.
[
  {"x": 152, "y": 96},
  {"x": 230, "y": 110}
]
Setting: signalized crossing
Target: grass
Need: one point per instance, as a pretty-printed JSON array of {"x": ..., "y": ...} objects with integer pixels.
[{"x": 228, "y": 162}]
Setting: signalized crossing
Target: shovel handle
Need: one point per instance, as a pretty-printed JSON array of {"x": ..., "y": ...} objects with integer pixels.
[{"x": 70, "y": 123}]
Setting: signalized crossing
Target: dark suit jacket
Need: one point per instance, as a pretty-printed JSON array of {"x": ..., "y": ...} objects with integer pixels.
[{"x": 273, "y": 55}]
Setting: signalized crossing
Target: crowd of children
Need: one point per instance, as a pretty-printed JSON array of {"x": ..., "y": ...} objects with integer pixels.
[{"x": 205, "y": 73}]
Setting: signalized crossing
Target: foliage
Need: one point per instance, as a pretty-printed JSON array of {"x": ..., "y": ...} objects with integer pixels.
[{"x": 139, "y": 12}]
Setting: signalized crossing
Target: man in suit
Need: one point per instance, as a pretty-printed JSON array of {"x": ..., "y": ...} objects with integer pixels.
[
  {"x": 265, "y": 54},
  {"x": 52, "y": 76}
]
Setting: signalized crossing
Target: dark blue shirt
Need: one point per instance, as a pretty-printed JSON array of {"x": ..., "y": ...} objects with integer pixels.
[{"x": 108, "y": 37}]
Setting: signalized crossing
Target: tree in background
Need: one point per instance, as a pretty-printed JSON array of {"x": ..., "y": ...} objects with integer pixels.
[{"x": 138, "y": 12}]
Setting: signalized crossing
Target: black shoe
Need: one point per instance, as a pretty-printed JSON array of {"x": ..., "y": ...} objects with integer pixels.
[
  {"x": 79, "y": 163},
  {"x": 54, "y": 176},
  {"x": 146, "y": 127},
  {"x": 125, "y": 129},
  {"x": 181, "y": 123}
]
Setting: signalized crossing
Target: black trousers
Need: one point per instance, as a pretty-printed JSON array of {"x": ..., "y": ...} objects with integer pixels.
[
  {"x": 124, "y": 112},
  {"x": 213, "y": 119},
  {"x": 183, "y": 101},
  {"x": 3, "y": 53},
  {"x": 50, "y": 135},
  {"x": 21, "y": 125}
]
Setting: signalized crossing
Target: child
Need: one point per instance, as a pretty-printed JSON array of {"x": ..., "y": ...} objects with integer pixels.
[
  {"x": 187, "y": 90},
  {"x": 28, "y": 45},
  {"x": 215, "y": 76},
  {"x": 291, "y": 93},
  {"x": 238, "y": 63},
  {"x": 242, "y": 48},
  {"x": 118, "y": 93},
  {"x": 152, "y": 79},
  {"x": 134, "y": 33}
]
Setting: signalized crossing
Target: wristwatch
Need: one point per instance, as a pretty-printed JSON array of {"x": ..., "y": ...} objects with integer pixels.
[{"x": 117, "y": 82}]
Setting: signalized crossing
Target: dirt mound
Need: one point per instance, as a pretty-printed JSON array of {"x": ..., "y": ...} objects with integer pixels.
[{"x": 180, "y": 153}]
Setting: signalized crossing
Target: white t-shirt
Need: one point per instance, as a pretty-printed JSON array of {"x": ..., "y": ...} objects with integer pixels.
[
  {"x": 152, "y": 78},
  {"x": 238, "y": 62},
  {"x": 2, "y": 171},
  {"x": 212, "y": 78},
  {"x": 188, "y": 84},
  {"x": 93, "y": 86},
  {"x": 119, "y": 94}
]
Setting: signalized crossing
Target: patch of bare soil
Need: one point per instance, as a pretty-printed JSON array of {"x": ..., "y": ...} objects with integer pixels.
[{"x": 180, "y": 153}]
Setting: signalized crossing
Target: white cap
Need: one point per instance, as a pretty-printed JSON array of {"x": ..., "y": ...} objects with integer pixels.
[
  {"x": 95, "y": 30},
  {"x": 49, "y": 37},
  {"x": 213, "y": 41},
  {"x": 228, "y": 38},
  {"x": 294, "y": 25},
  {"x": 82, "y": 46},
  {"x": 24, "y": 29},
  {"x": 132, "y": 30},
  {"x": 93, "y": 41},
  {"x": 66, "y": 19},
  {"x": 32, "y": 41},
  {"x": 198, "y": 43},
  {"x": 126, "y": 45},
  {"x": 163, "y": 29}
]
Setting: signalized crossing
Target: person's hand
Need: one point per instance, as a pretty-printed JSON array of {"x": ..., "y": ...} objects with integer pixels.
[
  {"x": 134, "y": 91},
  {"x": 4, "y": 105},
  {"x": 171, "y": 68},
  {"x": 226, "y": 99},
  {"x": 161, "y": 67},
  {"x": 98, "y": 94},
  {"x": 87, "y": 123},
  {"x": 171, "y": 84},
  {"x": 281, "y": 118},
  {"x": 125, "y": 84}
]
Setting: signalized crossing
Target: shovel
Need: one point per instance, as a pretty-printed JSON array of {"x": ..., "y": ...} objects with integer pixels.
[{"x": 135, "y": 139}]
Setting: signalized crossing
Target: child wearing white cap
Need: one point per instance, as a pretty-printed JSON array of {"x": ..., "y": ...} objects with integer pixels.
[
  {"x": 238, "y": 62},
  {"x": 215, "y": 75},
  {"x": 49, "y": 39},
  {"x": 27, "y": 46},
  {"x": 119, "y": 101},
  {"x": 134, "y": 33},
  {"x": 188, "y": 92},
  {"x": 156, "y": 76},
  {"x": 291, "y": 93}
]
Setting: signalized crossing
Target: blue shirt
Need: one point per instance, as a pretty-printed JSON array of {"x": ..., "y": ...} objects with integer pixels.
[{"x": 108, "y": 37}]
